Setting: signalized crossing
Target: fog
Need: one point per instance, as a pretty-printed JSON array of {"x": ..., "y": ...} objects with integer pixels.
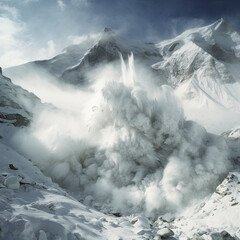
[{"x": 123, "y": 144}]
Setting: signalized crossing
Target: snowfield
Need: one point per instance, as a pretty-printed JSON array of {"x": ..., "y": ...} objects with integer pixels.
[{"x": 33, "y": 207}]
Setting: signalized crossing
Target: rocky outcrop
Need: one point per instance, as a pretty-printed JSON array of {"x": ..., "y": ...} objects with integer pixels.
[{"x": 16, "y": 104}]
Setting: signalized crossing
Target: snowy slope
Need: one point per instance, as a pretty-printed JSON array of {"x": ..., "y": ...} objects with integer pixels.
[
  {"x": 216, "y": 44},
  {"x": 33, "y": 207},
  {"x": 55, "y": 66},
  {"x": 215, "y": 218},
  {"x": 203, "y": 65},
  {"x": 16, "y": 107},
  {"x": 200, "y": 64},
  {"x": 233, "y": 133}
]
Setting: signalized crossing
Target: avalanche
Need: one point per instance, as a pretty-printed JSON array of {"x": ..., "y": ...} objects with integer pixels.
[
  {"x": 115, "y": 156},
  {"x": 136, "y": 153}
]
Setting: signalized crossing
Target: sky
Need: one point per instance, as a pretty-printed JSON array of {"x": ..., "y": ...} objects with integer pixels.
[{"x": 40, "y": 29}]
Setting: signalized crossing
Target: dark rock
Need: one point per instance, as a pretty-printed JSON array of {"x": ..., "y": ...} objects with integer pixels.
[
  {"x": 107, "y": 29},
  {"x": 222, "y": 236},
  {"x": 173, "y": 46},
  {"x": 11, "y": 166},
  {"x": 15, "y": 119},
  {"x": 117, "y": 214}
]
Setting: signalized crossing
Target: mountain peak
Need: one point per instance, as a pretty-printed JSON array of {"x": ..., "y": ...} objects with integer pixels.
[
  {"x": 223, "y": 25},
  {"x": 106, "y": 29},
  {"x": 107, "y": 35},
  {"x": 107, "y": 32}
]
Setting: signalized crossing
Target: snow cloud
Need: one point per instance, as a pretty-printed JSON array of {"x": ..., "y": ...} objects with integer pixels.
[
  {"x": 61, "y": 4},
  {"x": 180, "y": 24},
  {"x": 30, "y": 1},
  {"x": 49, "y": 51},
  {"x": 89, "y": 38},
  {"x": 16, "y": 43},
  {"x": 7, "y": 11},
  {"x": 11, "y": 53},
  {"x": 80, "y": 2}
]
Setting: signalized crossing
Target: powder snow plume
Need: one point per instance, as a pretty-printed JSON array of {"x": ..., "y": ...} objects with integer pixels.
[{"x": 127, "y": 147}]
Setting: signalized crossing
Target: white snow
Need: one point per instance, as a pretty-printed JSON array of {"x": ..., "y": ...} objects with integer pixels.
[
  {"x": 220, "y": 211},
  {"x": 204, "y": 68},
  {"x": 165, "y": 232},
  {"x": 12, "y": 182}
]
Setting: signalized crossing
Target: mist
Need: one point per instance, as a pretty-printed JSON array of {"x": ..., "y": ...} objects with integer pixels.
[{"x": 123, "y": 144}]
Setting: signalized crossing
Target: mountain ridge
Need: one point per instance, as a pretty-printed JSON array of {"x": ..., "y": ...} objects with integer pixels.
[{"x": 201, "y": 64}]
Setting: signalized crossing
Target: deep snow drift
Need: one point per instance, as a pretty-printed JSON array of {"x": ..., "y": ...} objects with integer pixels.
[{"x": 127, "y": 148}]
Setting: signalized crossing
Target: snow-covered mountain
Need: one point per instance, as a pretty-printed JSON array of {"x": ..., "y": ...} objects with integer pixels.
[
  {"x": 75, "y": 61},
  {"x": 33, "y": 207},
  {"x": 106, "y": 50},
  {"x": 201, "y": 64},
  {"x": 131, "y": 166},
  {"x": 208, "y": 56},
  {"x": 233, "y": 133}
]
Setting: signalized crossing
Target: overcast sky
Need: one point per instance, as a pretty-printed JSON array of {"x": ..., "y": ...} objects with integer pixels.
[{"x": 40, "y": 29}]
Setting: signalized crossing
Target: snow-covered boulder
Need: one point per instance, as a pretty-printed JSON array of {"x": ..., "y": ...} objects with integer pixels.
[
  {"x": 12, "y": 182},
  {"x": 165, "y": 233}
]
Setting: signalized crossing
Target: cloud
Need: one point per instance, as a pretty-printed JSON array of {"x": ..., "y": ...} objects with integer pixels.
[
  {"x": 7, "y": 11},
  {"x": 80, "y": 2},
  {"x": 30, "y": 1},
  {"x": 16, "y": 41},
  {"x": 77, "y": 3},
  {"x": 8, "y": 30},
  {"x": 81, "y": 39},
  {"x": 16, "y": 46},
  {"x": 61, "y": 4},
  {"x": 178, "y": 25},
  {"x": 11, "y": 30},
  {"x": 49, "y": 51},
  {"x": 11, "y": 47},
  {"x": 22, "y": 2}
]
